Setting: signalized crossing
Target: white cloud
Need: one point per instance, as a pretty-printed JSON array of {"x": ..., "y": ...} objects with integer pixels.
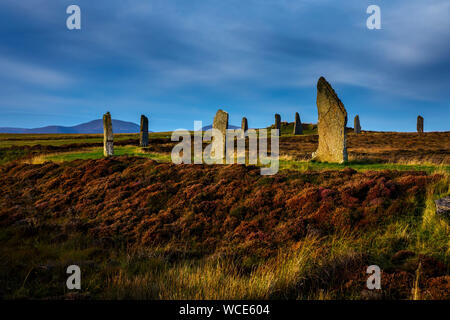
[{"x": 34, "y": 74}]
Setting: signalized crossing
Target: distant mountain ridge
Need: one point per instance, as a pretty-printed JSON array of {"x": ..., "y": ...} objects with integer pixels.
[{"x": 94, "y": 126}]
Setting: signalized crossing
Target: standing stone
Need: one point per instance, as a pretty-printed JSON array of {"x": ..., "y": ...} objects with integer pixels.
[
  {"x": 297, "y": 125},
  {"x": 143, "y": 133},
  {"x": 244, "y": 126},
  {"x": 221, "y": 123},
  {"x": 277, "y": 121},
  {"x": 108, "y": 137},
  {"x": 331, "y": 125},
  {"x": 420, "y": 124},
  {"x": 357, "y": 125}
]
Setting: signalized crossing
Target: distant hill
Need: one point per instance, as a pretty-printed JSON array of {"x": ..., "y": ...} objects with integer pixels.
[
  {"x": 210, "y": 127},
  {"x": 95, "y": 126}
]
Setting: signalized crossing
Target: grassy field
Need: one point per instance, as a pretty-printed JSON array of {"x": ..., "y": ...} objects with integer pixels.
[
  {"x": 97, "y": 153},
  {"x": 144, "y": 229},
  {"x": 10, "y": 140},
  {"x": 361, "y": 166},
  {"x": 428, "y": 149},
  {"x": 27, "y": 146}
]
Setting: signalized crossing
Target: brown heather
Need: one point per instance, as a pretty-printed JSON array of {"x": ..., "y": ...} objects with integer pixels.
[
  {"x": 207, "y": 208},
  {"x": 225, "y": 212},
  {"x": 140, "y": 229}
]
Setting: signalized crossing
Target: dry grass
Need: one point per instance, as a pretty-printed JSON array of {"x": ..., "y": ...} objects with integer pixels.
[{"x": 295, "y": 273}]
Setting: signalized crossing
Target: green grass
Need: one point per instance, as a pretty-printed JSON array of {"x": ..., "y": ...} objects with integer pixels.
[
  {"x": 7, "y": 155},
  {"x": 10, "y": 140},
  {"x": 97, "y": 153},
  {"x": 360, "y": 166}
]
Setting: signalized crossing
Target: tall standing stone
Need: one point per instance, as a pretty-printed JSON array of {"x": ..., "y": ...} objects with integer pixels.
[
  {"x": 143, "y": 132},
  {"x": 108, "y": 137},
  {"x": 221, "y": 123},
  {"x": 277, "y": 121},
  {"x": 297, "y": 125},
  {"x": 357, "y": 125},
  {"x": 331, "y": 125},
  {"x": 420, "y": 124},
  {"x": 244, "y": 126}
]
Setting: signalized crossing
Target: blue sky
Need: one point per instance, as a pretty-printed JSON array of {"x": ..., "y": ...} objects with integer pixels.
[{"x": 178, "y": 61}]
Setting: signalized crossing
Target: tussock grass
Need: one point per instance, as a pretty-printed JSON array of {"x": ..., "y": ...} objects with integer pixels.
[
  {"x": 310, "y": 270},
  {"x": 434, "y": 231},
  {"x": 279, "y": 277}
]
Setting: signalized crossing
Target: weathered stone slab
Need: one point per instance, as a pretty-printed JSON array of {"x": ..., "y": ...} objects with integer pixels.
[
  {"x": 108, "y": 137},
  {"x": 143, "y": 132},
  {"x": 244, "y": 126},
  {"x": 443, "y": 207},
  {"x": 221, "y": 123},
  {"x": 277, "y": 121},
  {"x": 357, "y": 125},
  {"x": 331, "y": 125},
  {"x": 298, "y": 129},
  {"x": 420, "y": 124}
]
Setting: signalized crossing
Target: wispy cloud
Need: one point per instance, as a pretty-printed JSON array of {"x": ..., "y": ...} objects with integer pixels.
[
  {"x": 164, "y": 56},
  {"x": 13, "y": 70}
]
